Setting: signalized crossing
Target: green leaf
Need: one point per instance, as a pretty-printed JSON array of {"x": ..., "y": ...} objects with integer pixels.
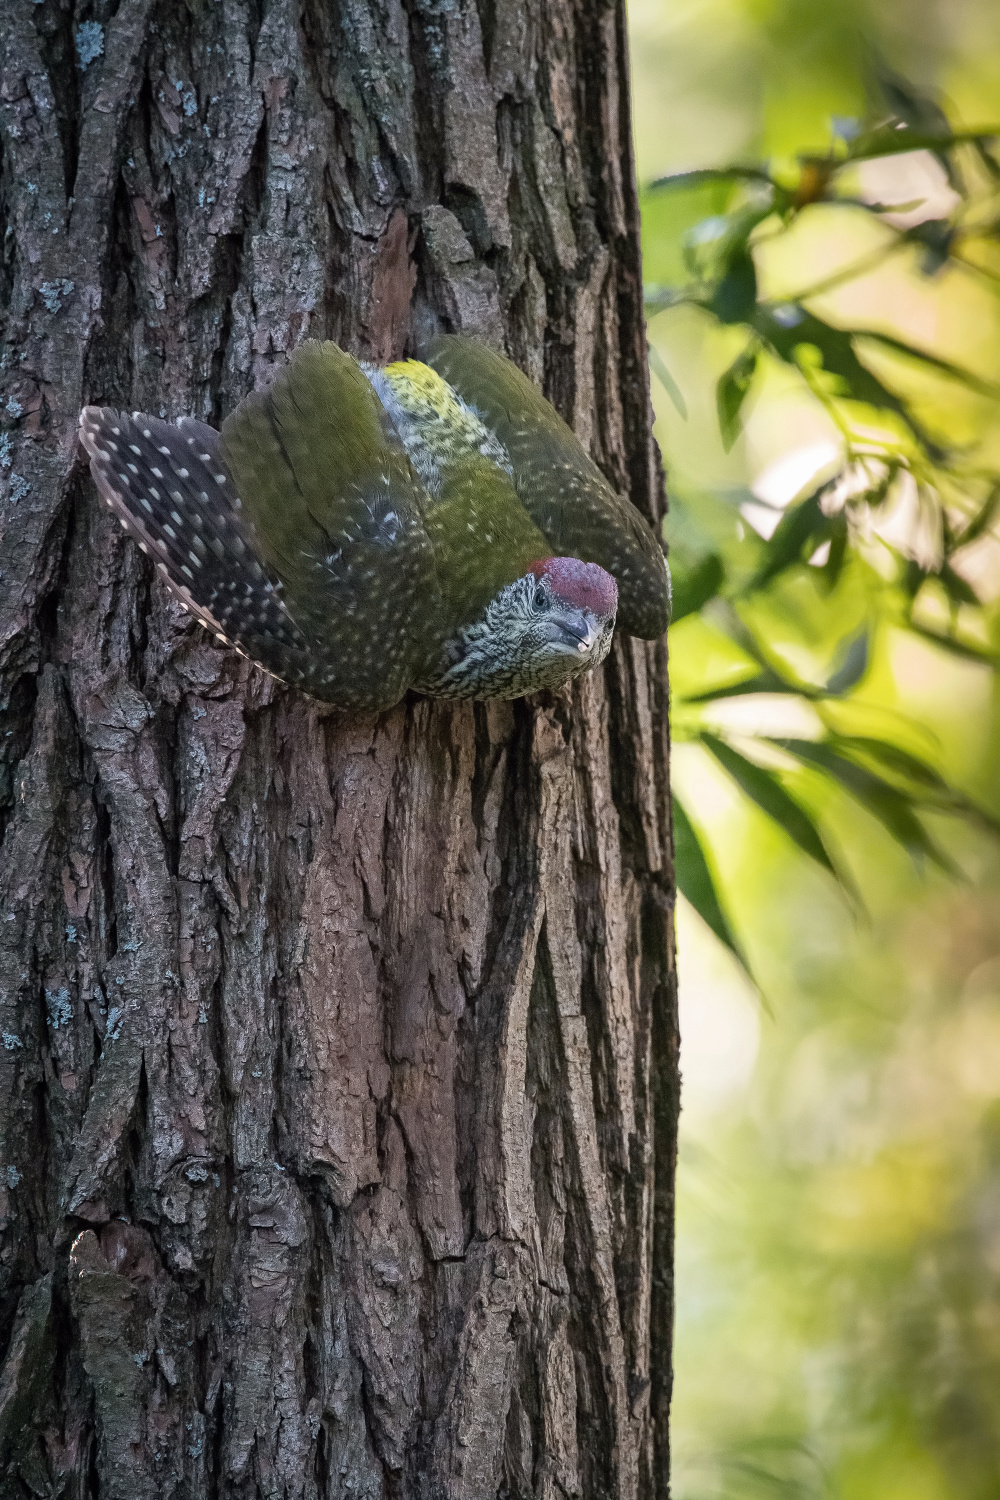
[
  {"x": 735, "y": 295},
  {"x": 873, "y": 207},
  {"x": 983, "y": 519},
  {"x": 894, "y": 759},
  {"x": 726, "y": 618},
  {"x": 892, "y": 808},
  {"x": 694, "y": 586},
  {"x": 853, "y": 666},
  {"x": 913, "y": 579},
  {"x": 731, "y": 391},
  {"x": 930, "y": 786},
  {"x": 658, "y": 298},
  {"x": 964, "y": 649},
  {"x": 845, "y": 677},
  {"x": 834, "y": 565},
  {"x": 694, "y": 880},
  {"x": 667, "y": 218},
  {"x": 699, "y": 178},
  {"x": 958, "y": 591},
  {"x": 667, "y": 381},
  {"x": 988, "y": 161},
  {"x": 937, "y": 237},
  {"x": 910, "y": 105},
  {"x": 890, "y": 141},
  {"x": 836, "y": 349},
  {"x": 956, "y": 372},
  {"x": 918, "y": 113},
  {"x": 722, "y": 614},
  {"x": 764, "y": 682},
  {"x": 765, "y": 789}
]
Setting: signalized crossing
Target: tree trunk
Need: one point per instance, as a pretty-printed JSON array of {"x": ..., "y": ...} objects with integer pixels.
[{"x": 339, "y": 1051}]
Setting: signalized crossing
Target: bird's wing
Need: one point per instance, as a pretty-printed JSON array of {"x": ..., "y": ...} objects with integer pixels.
[
  {"x": 338, "y": 515},
  {"x": 296, "y": 534},
  {"x": 560, "y": 486},
  {"x": 482, "y": 534},
  {"x": 169, "y": 488}
]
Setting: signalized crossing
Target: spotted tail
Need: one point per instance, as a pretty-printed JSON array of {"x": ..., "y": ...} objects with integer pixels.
[{"x": 171, "y": 490}]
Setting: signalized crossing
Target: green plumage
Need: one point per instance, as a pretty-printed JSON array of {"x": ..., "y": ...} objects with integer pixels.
[
  {"x": 482, "y": 536},
  {"x": 349, "y": 526},
  {"x": 560, "y": 486},
  {"x": 337, "y": 516}
]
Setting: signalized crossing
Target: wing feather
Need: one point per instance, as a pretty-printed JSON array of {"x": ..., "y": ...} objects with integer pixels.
[
  {"x": 560, "y": 486},
  {"x": 296, "y": 534},
  {"x": 169, "y": 488},
  {"x": 339, "y": 515}
]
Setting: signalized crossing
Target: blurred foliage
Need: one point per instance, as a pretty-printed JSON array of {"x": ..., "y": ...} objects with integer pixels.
[
  {"x": 831, "y": 557},
  {"x": 824, "y": 320},
  {"x": 839, "y": 1246}
]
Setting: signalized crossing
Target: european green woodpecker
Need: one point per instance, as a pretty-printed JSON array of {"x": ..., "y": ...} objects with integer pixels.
[{"x": 360, "y": 531}]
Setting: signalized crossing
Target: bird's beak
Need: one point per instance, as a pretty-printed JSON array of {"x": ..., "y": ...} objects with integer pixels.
[{"x": 578, "y": 630}]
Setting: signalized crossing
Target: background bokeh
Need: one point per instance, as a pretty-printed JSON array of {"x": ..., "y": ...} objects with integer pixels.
[{"x": 839, "y": 1193}]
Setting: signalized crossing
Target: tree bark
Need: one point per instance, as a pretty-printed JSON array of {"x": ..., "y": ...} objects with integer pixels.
[{"x": 339, "y": 1051}]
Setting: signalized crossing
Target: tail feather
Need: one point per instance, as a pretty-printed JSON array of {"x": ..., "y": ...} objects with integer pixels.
[{"x": 170, "y": 489}]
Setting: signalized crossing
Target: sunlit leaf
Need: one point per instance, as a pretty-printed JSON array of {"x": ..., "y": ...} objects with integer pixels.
[
  {"x": 965, "y": 649},
  {"x": 873, "y": 207},
  {"x": 913, "y": 107},
  {"x": 892, "y": 141},
  {"x": 771, "y": 1469},
  {"x": 726, "y": 618},
  {"x": 667, "y": 381},
  {"x": 839, "y": 537},
  {"x": 659, "y": 298},
  {"x": 836, "y": 349},
  {"x": 988, "y": 161},
  {"x": 934, "y": 361},
  {"x": 937, "y": 237},
  {"x": 693, "y": 587},
  {"x": 926, "y": 782},
  {"x": 765, "y": 789},
  {"x": 717, "y": 251},
  {"x": 722, "y": 614},
  {"x": 770, "y": 679},
  {"x": 984, "y": 517},
  {"x": 694, "y": 880},
  {"x": 764, "y": 682},
  {"x": 893, "y": 758},
  {"x": 893, "y": 808},
  {"x": 958, "y": 591}
]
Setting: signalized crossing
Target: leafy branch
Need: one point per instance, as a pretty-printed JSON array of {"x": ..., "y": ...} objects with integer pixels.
[{"x": 916, "y": 576}]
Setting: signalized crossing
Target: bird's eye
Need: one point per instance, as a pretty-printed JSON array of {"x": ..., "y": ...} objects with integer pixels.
[{"x": 539, "y": 598}]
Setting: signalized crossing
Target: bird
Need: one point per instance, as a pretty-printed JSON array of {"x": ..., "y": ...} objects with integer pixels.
[{"x": 359, "y": 531}]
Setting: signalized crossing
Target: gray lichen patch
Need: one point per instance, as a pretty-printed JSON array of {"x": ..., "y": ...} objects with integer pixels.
[
  {"x": 53, "y": 292},
  {"x": 89, "y": 43},
  {"x": 59, "y": 1007}
]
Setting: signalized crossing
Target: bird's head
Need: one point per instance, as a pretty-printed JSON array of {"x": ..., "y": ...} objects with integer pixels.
[
  {"x": 539, "y": 631},
  {"x": 572, "y": 608}
]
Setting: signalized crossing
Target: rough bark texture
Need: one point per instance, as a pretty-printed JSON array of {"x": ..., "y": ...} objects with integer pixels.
[{"x": 338, "y": 1065}]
